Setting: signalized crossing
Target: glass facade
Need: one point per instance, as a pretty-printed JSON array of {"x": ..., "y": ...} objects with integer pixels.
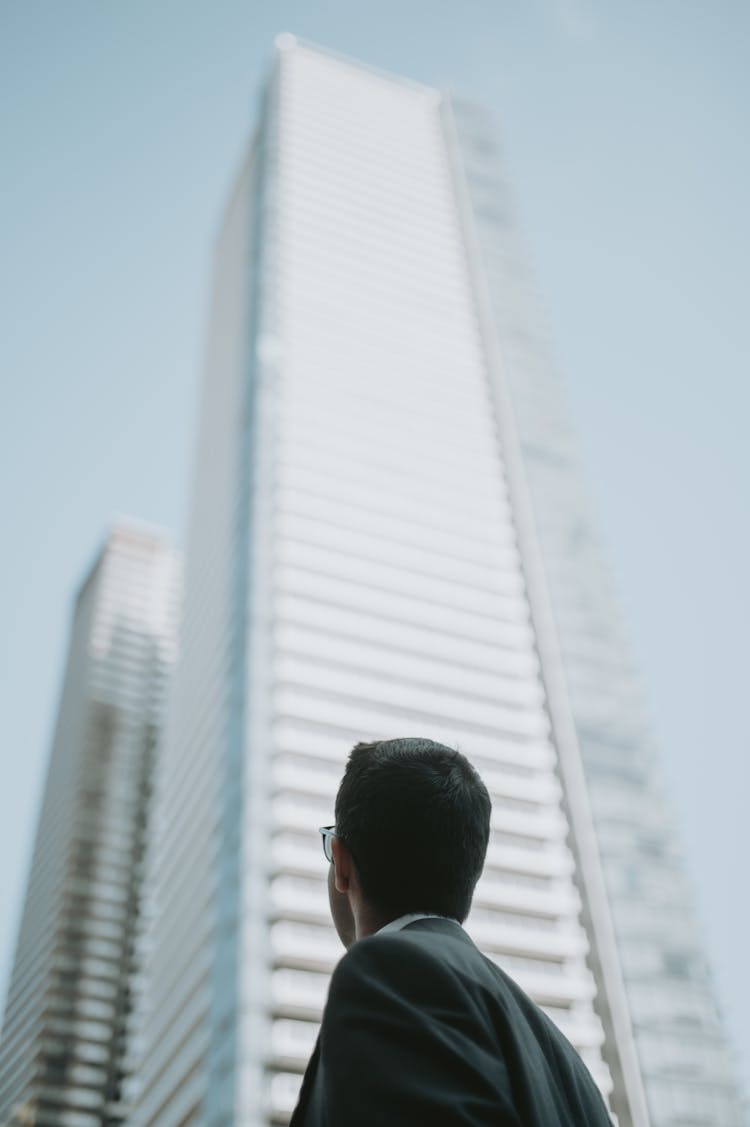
[
  {"x": 683, "y": 1060},
  {"x": 63, "y": 1054}
]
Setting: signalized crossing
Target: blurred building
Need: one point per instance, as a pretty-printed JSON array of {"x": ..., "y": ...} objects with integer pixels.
[
  {"x": 64, "y": 1039},
  {"x": 387, "y": 539},
  {"x": 688, "y": 1073}
]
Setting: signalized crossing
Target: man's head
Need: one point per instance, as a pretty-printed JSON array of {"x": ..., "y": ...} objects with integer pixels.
[{"x": 412, "y": 826}]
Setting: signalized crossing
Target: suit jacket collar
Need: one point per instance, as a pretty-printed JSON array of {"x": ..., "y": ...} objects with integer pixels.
[{"x": 441, "y": 925}]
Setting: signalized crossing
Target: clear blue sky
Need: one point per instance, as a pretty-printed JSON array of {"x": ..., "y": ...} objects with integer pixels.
[{"x": 625, "y": 129}]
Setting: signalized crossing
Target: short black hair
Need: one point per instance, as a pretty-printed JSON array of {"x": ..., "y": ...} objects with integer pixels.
[{"x": 416, "y": 817}]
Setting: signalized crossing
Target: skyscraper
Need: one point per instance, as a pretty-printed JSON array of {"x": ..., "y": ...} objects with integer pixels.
[
  {"x": 687, "y": 1071},
  {"x": 372, "y": 553},
  {"x": 62, "y": 1053}
]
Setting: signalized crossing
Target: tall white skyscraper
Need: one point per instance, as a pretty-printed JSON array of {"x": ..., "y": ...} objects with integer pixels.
[
  {"x": 64, "y": 1040},
  {"x": 364, "y": 561}
]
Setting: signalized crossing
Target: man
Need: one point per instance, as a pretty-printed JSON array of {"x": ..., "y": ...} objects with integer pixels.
[{"x": 420, "y": 1029}]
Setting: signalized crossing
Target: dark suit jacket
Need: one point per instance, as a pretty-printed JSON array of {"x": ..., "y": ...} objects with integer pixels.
[{"x": 421, "y": 1030}]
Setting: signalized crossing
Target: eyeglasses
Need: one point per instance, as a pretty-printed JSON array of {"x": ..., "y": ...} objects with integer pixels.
[{"x": 327, "y": 832}]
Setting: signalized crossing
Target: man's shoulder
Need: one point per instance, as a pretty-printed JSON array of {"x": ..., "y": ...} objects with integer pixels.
[
  {"x": 429, "y": 964},
  {"x": 424, "y": 984},
  {"x": 420, "y": 959},
  {"x": 427, "y": 989}
]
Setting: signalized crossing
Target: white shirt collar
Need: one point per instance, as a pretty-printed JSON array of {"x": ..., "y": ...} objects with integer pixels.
[{"x": 409, "y": 918}]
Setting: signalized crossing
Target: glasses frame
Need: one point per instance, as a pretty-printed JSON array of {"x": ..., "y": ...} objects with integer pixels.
[{"x": 327, "y": 832}]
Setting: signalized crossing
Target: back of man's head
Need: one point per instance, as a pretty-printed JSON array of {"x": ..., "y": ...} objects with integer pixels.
[{"x": 416, "y": 817}]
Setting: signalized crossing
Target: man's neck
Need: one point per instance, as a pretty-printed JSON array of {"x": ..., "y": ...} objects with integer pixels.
[{"x": 368, "y": 922}]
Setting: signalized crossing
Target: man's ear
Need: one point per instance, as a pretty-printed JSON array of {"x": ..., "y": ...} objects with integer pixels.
[{"x": 342, "y": 864}]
